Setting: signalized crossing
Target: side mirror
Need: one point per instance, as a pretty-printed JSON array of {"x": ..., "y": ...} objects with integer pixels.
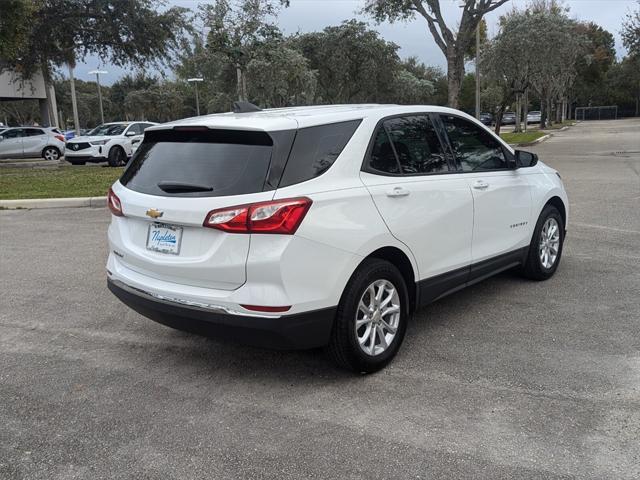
[
  {"x": 525, "y": 159},
  {"x": 130, "y": 133}
]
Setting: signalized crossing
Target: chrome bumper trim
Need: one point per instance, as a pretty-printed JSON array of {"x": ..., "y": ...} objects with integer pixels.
[{"x": 205, "y": 307}]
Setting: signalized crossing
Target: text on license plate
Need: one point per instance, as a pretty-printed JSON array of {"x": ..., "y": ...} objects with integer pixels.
[{"x": 164, "y": 238}]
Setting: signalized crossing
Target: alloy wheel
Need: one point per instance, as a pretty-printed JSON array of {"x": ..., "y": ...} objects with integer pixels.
[
  {"x": 549, "y": 243},
  {"x": 378, "y": 317},
  {"x": 51, "y": 154}
]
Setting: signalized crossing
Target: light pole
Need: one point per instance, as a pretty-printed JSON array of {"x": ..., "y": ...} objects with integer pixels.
[
  {"x": 195, "y": 81},
  {"x": 97, "y": 74}
]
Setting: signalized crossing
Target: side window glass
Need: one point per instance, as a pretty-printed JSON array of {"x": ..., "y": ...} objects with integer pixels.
[
  {"x": 34, "y": 132},
  {"x": 136, "y": 128},
  {"x": 16, "y": 133},
  {"x": 382, "y": 157},
  {"x": 417, "y": 145},
  {"x": 315, "y": 149},
  {"x": 474, "y": 147}
]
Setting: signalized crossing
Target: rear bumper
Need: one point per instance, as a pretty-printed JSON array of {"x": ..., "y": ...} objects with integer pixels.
[{"x": 288, "y": 332}]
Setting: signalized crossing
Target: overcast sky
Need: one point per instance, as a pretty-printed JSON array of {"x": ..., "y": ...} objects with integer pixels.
[{"x": 412, "y": 37}]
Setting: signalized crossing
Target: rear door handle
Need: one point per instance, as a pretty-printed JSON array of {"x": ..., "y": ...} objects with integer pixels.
[
  {"x": 398, "y": 192},
  {"x": 480, "y": 185}
]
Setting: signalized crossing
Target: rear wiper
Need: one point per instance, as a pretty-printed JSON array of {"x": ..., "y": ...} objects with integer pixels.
[{"x": 174, "y": 187}]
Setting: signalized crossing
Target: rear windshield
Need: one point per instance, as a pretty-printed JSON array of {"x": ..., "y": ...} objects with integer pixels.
[{"x": 200, "y": 163}]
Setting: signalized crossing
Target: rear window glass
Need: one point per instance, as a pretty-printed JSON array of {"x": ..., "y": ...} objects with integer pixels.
[
  {"x": 315, "y": 149},
  {"x": 208, "y": 163}
]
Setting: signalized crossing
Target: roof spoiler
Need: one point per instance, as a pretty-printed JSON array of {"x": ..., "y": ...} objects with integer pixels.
[{"x": 245, "y": 107}]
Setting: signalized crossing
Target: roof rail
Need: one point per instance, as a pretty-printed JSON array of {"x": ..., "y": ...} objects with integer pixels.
[{"x": 245, "y": 107}]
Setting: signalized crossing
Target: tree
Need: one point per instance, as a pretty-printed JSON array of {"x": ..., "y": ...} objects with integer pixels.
[
  {"x": 121, "y": 88},
  {"x": 87, "y": 103},
  {"x": 280, "y": 76},
  {"x": 418, "y": 84},
  {"x": 454, "y": 45},
  {"x": 236, "y": 31},
  {"x": 556, "y": 58},
  {"x": 510, "y": 61},
  {"x": 631, "y": 32},
  {"x": 219, "y": 88},
  {"x": 630, "y": 68},
  {"x": 353, "y": 62},
  {"x": 438, "y": 92},
  {"x": 14, "y": 29},
  {"x": 592, "y": 67},
  {"x": 132, "y": 32}
]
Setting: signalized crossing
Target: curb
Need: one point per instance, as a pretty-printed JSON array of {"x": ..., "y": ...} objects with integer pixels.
[
  {"x": 33, "y": 203},
  {"x": 539, "y": 140},
  {"x": 30, "y": 163}
]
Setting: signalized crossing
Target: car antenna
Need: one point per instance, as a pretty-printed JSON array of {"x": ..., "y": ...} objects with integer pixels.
[{"x": 245, "y": 107}]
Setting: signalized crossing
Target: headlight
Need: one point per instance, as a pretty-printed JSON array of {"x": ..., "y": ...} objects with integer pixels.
[{"x": 99, "y": 142}]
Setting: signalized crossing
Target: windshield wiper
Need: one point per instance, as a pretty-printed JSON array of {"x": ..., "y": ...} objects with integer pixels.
[{"x": 177, "y": 187}]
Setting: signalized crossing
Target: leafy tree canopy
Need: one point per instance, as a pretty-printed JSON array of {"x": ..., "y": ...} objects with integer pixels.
[
  {"x": 631, "y": 32},
  {"x": 120, "y": 32}
]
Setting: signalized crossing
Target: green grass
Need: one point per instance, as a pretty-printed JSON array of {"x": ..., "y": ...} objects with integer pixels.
[
  {"x": 61, "y": 182},
  {"x": 518, "y": 138}
]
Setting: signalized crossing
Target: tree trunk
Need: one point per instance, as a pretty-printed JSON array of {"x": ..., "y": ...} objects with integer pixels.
[
  {"x": 245, "y": 97},
  {"x": 239, "y": 82},
  {"x": 518, "y": 125},
  {"x": 549, "y": 112},
  {"x": 499, "y": 119},
  {"x": 46, "y": 75},
  {"x": 526, "y": 109},
  {"x": 455, "y": 74}
]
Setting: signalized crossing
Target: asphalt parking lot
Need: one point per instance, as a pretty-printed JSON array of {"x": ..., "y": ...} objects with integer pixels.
[{"x": 506, "y": 379}]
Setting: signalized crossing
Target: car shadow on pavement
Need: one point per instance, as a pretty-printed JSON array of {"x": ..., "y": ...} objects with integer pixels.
[{"x": 194, "y": 354}]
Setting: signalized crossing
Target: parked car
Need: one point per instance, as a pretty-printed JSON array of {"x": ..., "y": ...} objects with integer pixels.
[
  {"x": 27, "y": 142},
  {"x": 486, "y": 119},
  {"x": 110, "y": 142},
  {"x": 534, "y": 117},
  {"x": 509, "y": 118},
  {"x": 69, "y": 134},
  {"x": 325, "y": 226},
  {"x": 135, "y": 143}
]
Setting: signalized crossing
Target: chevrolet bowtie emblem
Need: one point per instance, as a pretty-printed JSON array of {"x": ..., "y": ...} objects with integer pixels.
[{"x": 153, "y": 213}]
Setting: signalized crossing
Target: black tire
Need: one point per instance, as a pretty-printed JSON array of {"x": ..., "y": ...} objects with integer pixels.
[
  {"x": 51, "y": 153},
  {"x": 533, "y": 267},
  {"x": 343, "y": 347},
  {"x": 117, "y": 157}
]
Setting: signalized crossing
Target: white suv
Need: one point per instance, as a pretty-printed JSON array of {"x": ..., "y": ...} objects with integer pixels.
[
  {"x": 110, "y": 142},
  {"x": 325, "y": 226}
]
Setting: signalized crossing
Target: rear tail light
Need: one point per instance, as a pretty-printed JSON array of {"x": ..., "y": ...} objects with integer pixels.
[
  {"x": 114, "y": 204},
  {"x": 277, "y": 216},
  {"x": 59, "y": 137}
]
